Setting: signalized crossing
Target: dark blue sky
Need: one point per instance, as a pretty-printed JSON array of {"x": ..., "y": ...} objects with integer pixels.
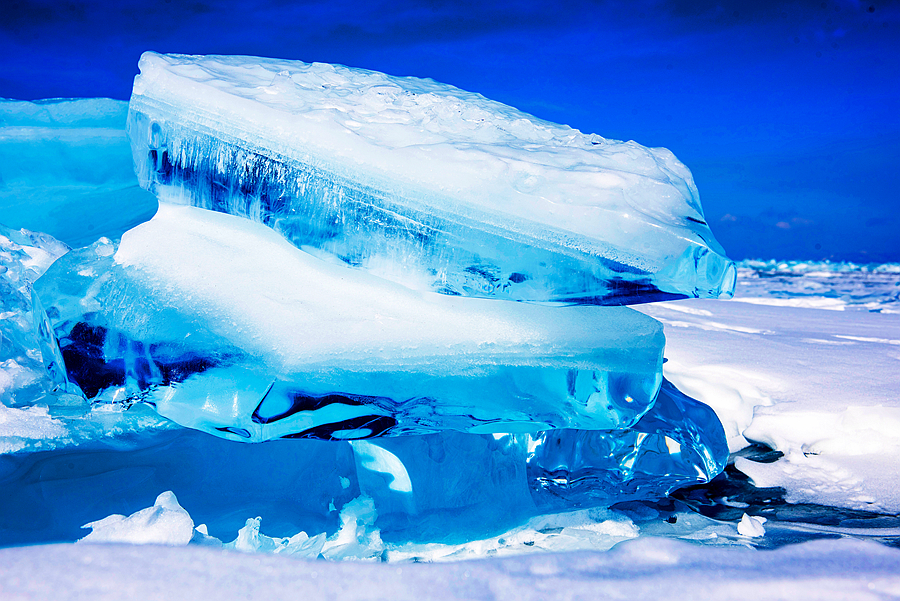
[{"x": 788, "y": 113}]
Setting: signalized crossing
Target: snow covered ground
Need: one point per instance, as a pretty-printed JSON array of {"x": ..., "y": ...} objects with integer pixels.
[
  {"x": 813, "y": 377},
  {"x": 646, "y": 568}
]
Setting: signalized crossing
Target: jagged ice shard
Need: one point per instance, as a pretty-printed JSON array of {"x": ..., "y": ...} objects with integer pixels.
[
  {"x": 423, "y": 183},
  {"x": 227, "y": 328}
]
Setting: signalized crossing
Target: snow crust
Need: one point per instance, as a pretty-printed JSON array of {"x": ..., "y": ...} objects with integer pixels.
[
  {"x": 645, "y": 568},
  {"x": 820, "y": 386}
]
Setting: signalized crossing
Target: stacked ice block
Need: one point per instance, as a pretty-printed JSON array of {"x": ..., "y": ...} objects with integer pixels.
[
  {"x": 423, "y": 183},
  {"x": 357, "y": 274}
]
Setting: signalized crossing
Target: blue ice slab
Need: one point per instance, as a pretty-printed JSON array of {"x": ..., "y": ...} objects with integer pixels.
[
  {"x": 423, "y": 183},
  {"x": 225, "y": 327},
  {"x": 66, "y": 169},
  {"x": 24, "y": 255},
  {"x": 447, "y": 487}
]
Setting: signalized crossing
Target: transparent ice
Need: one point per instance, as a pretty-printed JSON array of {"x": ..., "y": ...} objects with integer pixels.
[
  {"x": 390, "y": 414},
  {"x": 447, "y": 487},
  {"x": 24, "y": 256},
  {"x": 423, "y": 183}
]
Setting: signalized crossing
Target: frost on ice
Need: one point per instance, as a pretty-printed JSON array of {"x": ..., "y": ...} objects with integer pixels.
[{"x": 423, "y": 183}]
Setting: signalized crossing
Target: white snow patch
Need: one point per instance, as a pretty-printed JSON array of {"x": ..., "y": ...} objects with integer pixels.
[
  {"x": 822, "y": 387},
  {"x": 751, "y": 526},
  {"x": 646, "y": 568},
  {"x": 166, "y": 523},
  {"x": 19, "y": 427},
  {"x": 815, "y": 302}
]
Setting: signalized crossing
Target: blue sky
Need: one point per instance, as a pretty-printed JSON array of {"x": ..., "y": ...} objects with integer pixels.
[{"x": 788, "y": 113}]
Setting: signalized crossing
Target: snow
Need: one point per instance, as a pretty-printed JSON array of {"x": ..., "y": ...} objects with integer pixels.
[
  {"x": 166, "y": 523},
  {"x": 820, "y": 386},
  {"x": 644, "y": 568},
  {"x": 751, "y": 526}
]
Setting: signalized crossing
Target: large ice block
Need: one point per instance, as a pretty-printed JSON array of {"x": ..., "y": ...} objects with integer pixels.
[
  {"x": 66, "y": 170},
  {"x": 227, "y": 328},
  {"x": 423, "y": 183}
]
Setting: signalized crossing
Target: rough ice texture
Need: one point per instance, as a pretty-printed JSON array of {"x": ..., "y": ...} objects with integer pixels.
[
  {"x": 225, "y": 327},
  {"x": 21, "y": 428},
  {"x": 66, "y": 169},
  {"x": 422, "y": 182},
  {"x": 821, "y": 285}
]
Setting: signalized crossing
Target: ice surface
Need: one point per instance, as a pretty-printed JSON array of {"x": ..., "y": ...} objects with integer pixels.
[
  {"x": 225, "y": 327},
  {"x": 66, "y": 169},
  {"x": 446, "y": 488},
  {"x": 423, "y": 183},
  {"x": 821, "y": 284}
]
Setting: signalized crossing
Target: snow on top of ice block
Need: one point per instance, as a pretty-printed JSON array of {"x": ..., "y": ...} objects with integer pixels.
[
  {"x": 417, "y": 134},
  {"x": 250, "y": 286}
]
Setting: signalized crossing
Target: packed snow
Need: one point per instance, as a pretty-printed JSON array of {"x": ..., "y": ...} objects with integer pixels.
[{"x": 820, "y": 386}]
